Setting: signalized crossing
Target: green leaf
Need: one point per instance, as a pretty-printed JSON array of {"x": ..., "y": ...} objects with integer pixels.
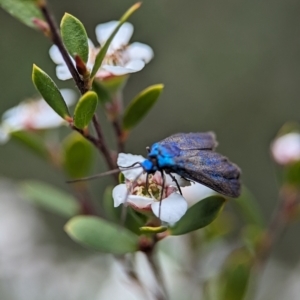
[
  {"x": 101, "y": 91},
  {"x": 50, "y": 198},
  {"x": 236, "y": 275},
  {"x": 50, "y": 92},
  {"x": 101, "y": 235},
  {"x": 78, "y": 155},
  {"x": 134, "y": 221},
  {"x": 23, "y": 10},
  {"x": 74, "y": 36},
  {"x": 247, "y": 205},
  {"x": 199, "y": 215},
  {"x": 100, "y": 56},
  {"x": 115, "y": 83},
  {"x": 85, "y": 109},
  {"x": 140, "y": 106},
  {"x": 32, "y": 142},
  {"x": 291, "y": 174},
  {"x": 108, "y": 88},
  {"x": 111, "y": 212}
]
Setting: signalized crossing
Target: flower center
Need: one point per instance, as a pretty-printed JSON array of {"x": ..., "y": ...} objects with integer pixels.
[
  {"x": 117, "y": 57},
  {"x": 154, "y": 190}
]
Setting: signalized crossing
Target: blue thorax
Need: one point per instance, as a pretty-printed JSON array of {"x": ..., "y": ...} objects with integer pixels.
[{"x": 159, "y": 158}]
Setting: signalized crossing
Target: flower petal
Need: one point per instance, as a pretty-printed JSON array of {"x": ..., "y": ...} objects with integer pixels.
[
  {"x": 140, "y": 51},
  {"x": 35, "y": 114},
  {"x": 46, "y": 118},
  {"x": 139, "y": 201},
  {"x": 103, "y": 31},
  {"x": 92, "y": 54},
  {"x": 135, "y": 65},
  {"x": 125, "y": 160},
  {"x": 119, "y": 194},
  {"x": 172, "y": 208},
  {"x": 69, "y": 96},
  {"x": 286, "y": 149},
  {"x": 131, "y": 67},
  {"x": 63, "y": 73},
  {"x": 4, "y": 135},
  {"x": 196, "y": 192},
  {"x": 181, "y": 181},
  {"x": 56, "y": 55}
]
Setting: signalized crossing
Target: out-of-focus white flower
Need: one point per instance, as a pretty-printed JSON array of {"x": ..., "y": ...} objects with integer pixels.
[
  {"x": 134, "y": 191},
  {"x": 121, "y": 58},
  {"x": 33, "y": 115},
  {"x": 286, "y": 149}
]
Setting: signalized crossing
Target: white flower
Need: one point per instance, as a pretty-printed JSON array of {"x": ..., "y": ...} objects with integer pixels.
[
  {"x": 134, "y": 193},
  {"x": 121, "y": 58},
  {"x": 33, "y": 115},
  {"x": 286, "y": 149},
  {"x": 196, "y": 192}
]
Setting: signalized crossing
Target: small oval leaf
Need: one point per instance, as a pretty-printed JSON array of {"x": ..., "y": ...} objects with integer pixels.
[
  {"x": 50, "y": 198},
  {"x": 100, "y": 235},
  {"x": 199, "y": 215},
  {"x": 78, "y": 155},
  {"x": 50, "y": 92},
  {"x": 85, "y": 109},
  {"x": 74, "y": 36},
  {"x": 23, "y": 10},
  {"x": 100, "y": 56},
  {"x": 140, "y": 106}
]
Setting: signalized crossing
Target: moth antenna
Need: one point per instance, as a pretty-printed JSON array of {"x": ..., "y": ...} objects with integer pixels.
[
  {"x": 94, "y": 176},
  {"x": 132, "y": 166},
  {"x": 104, "y": 173}
]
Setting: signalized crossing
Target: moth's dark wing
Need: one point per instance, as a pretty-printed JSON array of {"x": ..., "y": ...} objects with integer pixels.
[
  {"x": 191, "y": 141},
  {"x": 211, "y": 169}
]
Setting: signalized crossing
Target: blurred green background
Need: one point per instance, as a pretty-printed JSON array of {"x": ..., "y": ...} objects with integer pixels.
[{"x": 228, "y": 66}]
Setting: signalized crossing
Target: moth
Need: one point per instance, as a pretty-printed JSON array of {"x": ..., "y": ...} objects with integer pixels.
[{"x": 193, "y": 157}]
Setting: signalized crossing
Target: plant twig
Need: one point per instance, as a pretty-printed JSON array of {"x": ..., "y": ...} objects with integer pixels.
[
  {"x": 119, "y": 134},
  {"x": 102, "y": 145},
  {"x": 288, "y": 202},
  {"x": 129, "y": 269},
  {"x": 56, "y": 38},
  {"x": 161, "y": 293},
  {"x": 99, "y": 145}
]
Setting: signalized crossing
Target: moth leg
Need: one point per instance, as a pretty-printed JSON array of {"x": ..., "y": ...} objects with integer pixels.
[
  {"x": 162, "y": 192},
  {"x": 175, "y": 180},
  {"x": 147, "y": 184}
]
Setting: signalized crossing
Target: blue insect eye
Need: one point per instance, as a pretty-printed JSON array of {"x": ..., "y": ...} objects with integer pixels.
[{"x": 148, "y": 166}]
